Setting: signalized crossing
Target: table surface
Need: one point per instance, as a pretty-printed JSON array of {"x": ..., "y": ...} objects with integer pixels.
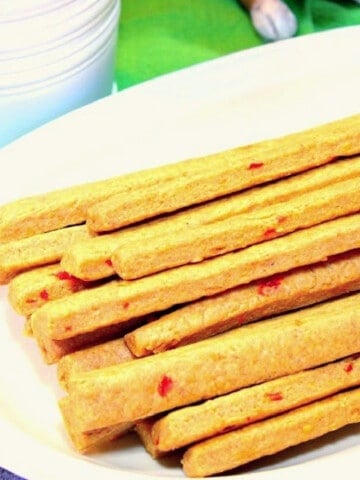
[
  {"x": 161, "y": 36},
  {"x": 5, "y": 475}
]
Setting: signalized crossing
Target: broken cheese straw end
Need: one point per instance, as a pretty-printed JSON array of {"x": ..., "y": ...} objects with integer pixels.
[
  {"x": 112, "y": 352},
  {"x": 90, "y": 260},
  {"x": 29, "y": 290},
  {"x": 268, "y": 437},
  {"x": 53, "y": 350},
  {"x": 143, "y": 429},
  {"x": 41, "y": 249},
  {"x": 88, "y": 441}
]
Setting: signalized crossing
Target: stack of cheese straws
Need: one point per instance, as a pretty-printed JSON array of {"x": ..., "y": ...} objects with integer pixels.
[{"x": 211, "y": 305}]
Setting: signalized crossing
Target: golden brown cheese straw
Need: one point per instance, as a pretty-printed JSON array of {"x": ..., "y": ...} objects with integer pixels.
[
  {"x": 265, "y": 297},
  {"x": 105, "y": 354},
  {"x": 68, "y": 206},
  {"x": 144, "y": 428},
  {"x": 90, "y": 260},
  {"x": 29, "y": 290},
  {"x": 135, "y": 260},
  {"x": 231, "y": 171},
  {"x": 41, "y": 249},
  {"x": 117, "y": 302},
  {"x": 252, "y": 354},
  {"x": 273, "y": 435},
  {"x": 27, "y": 330},
  {"x": 219, "y": 415},
  {"x": 88, "y": 441},
  {"x": 53, "y": 350}
]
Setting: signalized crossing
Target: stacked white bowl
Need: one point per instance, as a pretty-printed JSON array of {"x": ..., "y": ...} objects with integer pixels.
[{"x": 55, "y": 56}]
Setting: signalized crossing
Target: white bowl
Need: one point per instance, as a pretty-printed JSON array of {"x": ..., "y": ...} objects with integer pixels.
[{"x": 67, "y": 61}]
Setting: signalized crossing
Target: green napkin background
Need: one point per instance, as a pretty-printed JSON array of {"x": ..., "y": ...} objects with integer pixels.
[{"x": 161, "y": 36}]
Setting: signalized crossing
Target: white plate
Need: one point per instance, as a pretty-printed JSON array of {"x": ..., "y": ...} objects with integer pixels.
[{"x": 240, "y": 98}]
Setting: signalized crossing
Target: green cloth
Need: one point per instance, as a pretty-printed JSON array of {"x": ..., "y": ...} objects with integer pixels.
[{"x": 161, "y": 36}]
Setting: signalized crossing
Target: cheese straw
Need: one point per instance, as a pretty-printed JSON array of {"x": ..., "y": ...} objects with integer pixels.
[
  {"x": 222, "y": 364},
  {"x": 108, "y": 353},
  {"x": 134, "y": 259},
  {"x": 116, "y": 302},
  {"x": 231, "y": 171},
  {"x": 194, "y": 423},
  {"x": 69, "y": 206},
  {"x": 53, "y": 350},
  {"x": 29, "y": 290},
  {"x": 270, "y": 436},
  {"x": 89, "y": 441},
  {"x": 41, "y": 249},
  {"x": 300, "y": 287},
  {"x": 143, "y": 428},
  {"x": 90, "y": 259},
  {"x": 247, "y": 303}
]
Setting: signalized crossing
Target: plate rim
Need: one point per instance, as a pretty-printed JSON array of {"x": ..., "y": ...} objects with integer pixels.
[{"x": 80, "y": 463}]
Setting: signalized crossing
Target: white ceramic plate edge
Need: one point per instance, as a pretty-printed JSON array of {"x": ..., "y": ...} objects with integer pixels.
[{"x": 178, "y": 107}]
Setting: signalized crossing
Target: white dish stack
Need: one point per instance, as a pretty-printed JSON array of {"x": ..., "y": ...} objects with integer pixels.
[{"x": 55, "y": 56}]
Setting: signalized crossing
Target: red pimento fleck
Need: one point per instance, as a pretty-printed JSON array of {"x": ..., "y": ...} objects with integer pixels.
[
  {"x": 240, "y": 319},
  {"x": 281, "y": 218},
  {"x": 64, "y": 275},
  {"x": 267, "y": 286},
  {"x": 68, "y": 328},
  {"x": 255, "y": 165},
  {"x": 76, "y": 283},
  {"x": 348, "y": 367},
  {"x": 275, "y": 397},
  {"x": 44, "y": 295},
  {"x": 109, "y": 262},
  {"x": 165, "y": 385},
  {"x": 126, "y": 305},
  {"x": 270, "y": 232}
]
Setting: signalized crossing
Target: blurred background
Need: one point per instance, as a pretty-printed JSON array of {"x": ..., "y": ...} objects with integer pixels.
[
  {"x": 152, "y": 38},
  {"x": 159, "y": 36},
  {"x": 56, "y": 56}
]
